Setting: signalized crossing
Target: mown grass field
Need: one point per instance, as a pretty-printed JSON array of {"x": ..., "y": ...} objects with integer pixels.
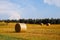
[{"x": 33, "y": 32}]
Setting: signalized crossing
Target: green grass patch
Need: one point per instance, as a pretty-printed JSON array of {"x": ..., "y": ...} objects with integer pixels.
[{"x": 5, "y": 37}]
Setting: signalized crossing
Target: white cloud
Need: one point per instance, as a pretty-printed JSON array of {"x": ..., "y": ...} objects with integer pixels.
[
  {"x": 14, "y": 10},
  {"x": 53, "y": 2},
  {"x": 14, "y": 15},
  {"x": 9, "y": 8}
]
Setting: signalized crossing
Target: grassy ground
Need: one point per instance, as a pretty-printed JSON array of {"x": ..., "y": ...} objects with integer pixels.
[{"x": 34, "y": 32}]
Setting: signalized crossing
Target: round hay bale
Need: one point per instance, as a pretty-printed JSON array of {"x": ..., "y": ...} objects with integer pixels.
[
  {"x": 20, "y": 27},
  {"x": 48, "y": 24},
  {"x": 41, "y": 24}
]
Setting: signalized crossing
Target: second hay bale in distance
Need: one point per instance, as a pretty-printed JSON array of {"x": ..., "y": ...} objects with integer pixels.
[
  {"x": 48, "y": 24},
  {"x": 41, "y": 24}
]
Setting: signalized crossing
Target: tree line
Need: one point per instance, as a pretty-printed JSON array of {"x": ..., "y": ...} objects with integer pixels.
[{"x": 35, "y": 21}]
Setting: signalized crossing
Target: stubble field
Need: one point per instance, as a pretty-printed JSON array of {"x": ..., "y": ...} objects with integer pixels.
[{"x": 33, "y": 32}]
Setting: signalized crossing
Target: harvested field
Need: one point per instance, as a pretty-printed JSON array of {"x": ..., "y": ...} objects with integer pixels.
[{"x": 34, "y": 32}]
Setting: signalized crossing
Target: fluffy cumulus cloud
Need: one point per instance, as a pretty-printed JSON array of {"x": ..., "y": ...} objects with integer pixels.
[
  {"x": 9, "y": 9},
  {"x": 53, "y": 2}
]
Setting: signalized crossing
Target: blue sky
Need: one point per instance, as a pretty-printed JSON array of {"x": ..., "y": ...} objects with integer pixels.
[{"x": 16, "y": 9}]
